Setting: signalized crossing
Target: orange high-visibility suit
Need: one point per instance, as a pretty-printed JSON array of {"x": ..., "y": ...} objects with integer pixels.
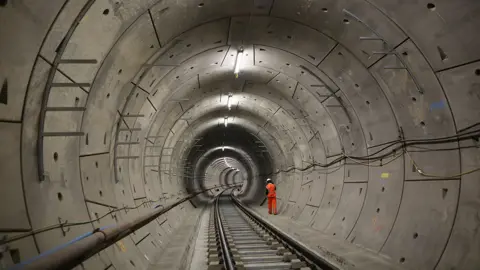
[{"x": 272, "y": 198}]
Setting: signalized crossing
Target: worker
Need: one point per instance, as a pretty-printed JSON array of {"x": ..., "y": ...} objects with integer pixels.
[{"x": 272, "y": 197}]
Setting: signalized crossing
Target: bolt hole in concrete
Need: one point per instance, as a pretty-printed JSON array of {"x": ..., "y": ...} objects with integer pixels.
[
  {"x": 4, "y": 92},
  {"x": 415, "y": 235},
  {"x": 101, "y": 193},
  {"x": 442, "y": 54},
  {"x": 477, "y": 72},
  {"x": 431, "y": 6},
  {"x": 201, "y": 5},
  {"x": 444, "y": 192},
  {"x": 405, "y": 53},
  {"x": 378, "y": 210},
  {"x": 108, "y": 95},
  {"x": 422, "y": 123},
  {"x": 106, "y": 11},
  {"x": 59, "y": 196},
  {"x": 55, "y": 156},
  {"x": 325, "y": 9},
  {"x": 96, "y": 164},
  {"x": 346, "y": 21},
  {"x": 402, "y": 259},
  {"x": 383, "y": 189},
  {"x": 414, "y": 99}
]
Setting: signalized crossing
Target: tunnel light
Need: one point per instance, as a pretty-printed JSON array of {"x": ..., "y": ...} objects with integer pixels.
[
  {"x": 238, "y": 62},
  {"x": 223, "y": 148},
  {"x": 226, "y": 163},
  {"x": 229, "y": 102},
  {"x": 225, "y": 121}
]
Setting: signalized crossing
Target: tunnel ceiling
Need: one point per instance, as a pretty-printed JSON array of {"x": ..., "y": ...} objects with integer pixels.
[{"x": 355, "y": 108}]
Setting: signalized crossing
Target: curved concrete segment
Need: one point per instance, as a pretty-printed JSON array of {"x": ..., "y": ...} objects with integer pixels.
[{"x": 364, "y": 113}]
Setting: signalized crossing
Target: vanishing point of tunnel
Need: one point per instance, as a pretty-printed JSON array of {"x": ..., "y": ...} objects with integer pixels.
[{"x": 364, "y": 113}]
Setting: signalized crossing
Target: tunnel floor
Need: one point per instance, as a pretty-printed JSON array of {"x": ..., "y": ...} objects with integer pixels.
[{"x": 194, "y": 245}]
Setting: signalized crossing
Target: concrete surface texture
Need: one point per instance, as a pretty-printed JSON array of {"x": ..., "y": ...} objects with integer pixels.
[{"x": 127, "y": 104}]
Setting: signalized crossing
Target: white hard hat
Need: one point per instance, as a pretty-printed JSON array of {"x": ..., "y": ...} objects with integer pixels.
[{"x": 268, "y": 179}]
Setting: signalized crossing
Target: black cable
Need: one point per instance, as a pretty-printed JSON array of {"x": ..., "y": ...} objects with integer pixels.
[
  {"x": 403, "y": 146},
  {"x": 72, "y": 224},
  {"x": 439, "y": 138}
]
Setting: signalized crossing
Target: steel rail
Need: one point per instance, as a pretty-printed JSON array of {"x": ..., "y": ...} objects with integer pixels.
[
  {"x": 228, "y": 262},
  {"x": 310, "y": 256}
]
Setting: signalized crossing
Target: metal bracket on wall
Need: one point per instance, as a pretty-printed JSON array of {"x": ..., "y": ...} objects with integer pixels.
[
  {"x": 390, "y": 49},
  {"x": 64, "y": 231},
  {"x": 50, "y": 84}
]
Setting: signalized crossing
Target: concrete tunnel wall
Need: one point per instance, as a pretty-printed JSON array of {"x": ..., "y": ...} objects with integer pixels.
[{"x": 321, "y": 79}]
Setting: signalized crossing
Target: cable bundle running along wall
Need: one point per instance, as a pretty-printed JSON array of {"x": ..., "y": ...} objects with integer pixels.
[{"x": 399, "y": 149}]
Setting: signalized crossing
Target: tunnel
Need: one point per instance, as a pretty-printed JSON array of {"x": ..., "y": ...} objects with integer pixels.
[{"x": 364, "y": 113}]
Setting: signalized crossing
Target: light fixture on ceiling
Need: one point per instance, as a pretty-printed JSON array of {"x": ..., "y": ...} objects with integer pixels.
[
  {"x": 238, "y": 62},
  {"x": 225, "y": 121},
  {"x": 229, "y": 101},
  {"x": 226, "y": 163}
]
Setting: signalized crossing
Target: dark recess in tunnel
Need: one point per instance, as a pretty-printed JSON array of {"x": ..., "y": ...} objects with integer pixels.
[{"x": 236, "y": 143}]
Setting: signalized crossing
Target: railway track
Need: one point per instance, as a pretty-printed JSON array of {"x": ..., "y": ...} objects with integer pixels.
[{"x": 239, "y": 239}]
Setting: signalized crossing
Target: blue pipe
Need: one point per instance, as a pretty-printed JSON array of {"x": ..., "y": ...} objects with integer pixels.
[{"x": 55, "y": 249}]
